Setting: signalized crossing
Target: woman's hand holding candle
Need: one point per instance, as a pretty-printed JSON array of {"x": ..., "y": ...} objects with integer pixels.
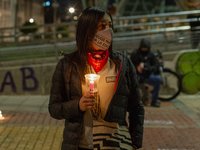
[{"x": 86, "y": 102}]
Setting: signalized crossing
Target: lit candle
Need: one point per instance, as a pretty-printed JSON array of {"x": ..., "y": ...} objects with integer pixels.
[
  {"x": 1, "y": 116},
  {"x": 91, "y": 83}
]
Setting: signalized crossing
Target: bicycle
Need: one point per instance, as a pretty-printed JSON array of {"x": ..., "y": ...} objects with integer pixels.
[{"x": 171, "y": 81}]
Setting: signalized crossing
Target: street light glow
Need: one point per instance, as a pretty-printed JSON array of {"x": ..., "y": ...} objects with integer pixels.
[
  {"x": 75, "y": 17},
  {"x": 31, "y": 20},
  {"x": 71, "y": 10},
  {"x": 48, "y": 3}
]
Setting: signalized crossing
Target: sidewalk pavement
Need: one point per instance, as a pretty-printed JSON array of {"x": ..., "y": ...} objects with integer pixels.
[{"x": 28, "y": 126}]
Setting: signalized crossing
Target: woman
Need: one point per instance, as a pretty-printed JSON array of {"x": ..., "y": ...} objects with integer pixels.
[{"x": 94, "y": 54}]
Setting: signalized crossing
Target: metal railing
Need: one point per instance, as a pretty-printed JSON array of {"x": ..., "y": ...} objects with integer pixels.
[
  {"x": 168, "y": 32},
  {"x": 154, "y": 23},
  {"x": 47, "y": 33}
]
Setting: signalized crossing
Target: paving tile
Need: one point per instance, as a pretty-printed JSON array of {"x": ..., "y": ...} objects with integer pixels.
[
  {"x": 192, "y": 101},
  {"x": 31, "y": 128},
  {"x": 29, "y": 137},
  {"x": 169, "y": 120},
  {"x": 162, "y": 110},
  {"x": 172, "y": 138},
  {"x": 30, "y": 118}
]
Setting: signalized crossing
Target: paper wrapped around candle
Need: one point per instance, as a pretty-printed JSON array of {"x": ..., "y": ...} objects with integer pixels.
[{"x": 91, "y": 85}]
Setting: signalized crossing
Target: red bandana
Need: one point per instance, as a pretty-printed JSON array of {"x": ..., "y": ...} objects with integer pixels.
[{"x": 98, "y": 59}]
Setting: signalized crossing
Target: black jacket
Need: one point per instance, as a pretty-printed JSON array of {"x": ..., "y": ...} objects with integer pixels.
[
  {"x": 66, "y": 91},
  {"x": 151, "y": 64}
]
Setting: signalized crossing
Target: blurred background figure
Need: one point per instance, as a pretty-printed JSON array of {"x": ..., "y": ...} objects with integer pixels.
[
  {"x": 147, "y": 68},
  {"x": 195, "y": 34}
]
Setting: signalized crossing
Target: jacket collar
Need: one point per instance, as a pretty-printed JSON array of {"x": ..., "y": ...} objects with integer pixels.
[{"x": 72, "y": 56}]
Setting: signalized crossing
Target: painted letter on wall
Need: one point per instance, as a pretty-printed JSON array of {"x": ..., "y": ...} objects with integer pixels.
[
  {"x": 26, "y": 77},
  {"x": 11, "y": 82}
]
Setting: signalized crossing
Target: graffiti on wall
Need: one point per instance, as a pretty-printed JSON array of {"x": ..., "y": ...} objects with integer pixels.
[{"x": 27, "y": 74}]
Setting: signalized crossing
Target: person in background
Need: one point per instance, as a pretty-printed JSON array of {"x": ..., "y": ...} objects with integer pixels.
[
  {"x": 118, "y": 85},
  {"x": 147, "y": 67},
  {"x": 195, "y": 33}
]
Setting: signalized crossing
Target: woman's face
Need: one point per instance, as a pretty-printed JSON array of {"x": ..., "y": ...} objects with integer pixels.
[{"x": 104, "y": 23}]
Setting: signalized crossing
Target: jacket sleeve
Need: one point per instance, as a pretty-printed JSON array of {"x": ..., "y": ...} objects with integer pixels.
[
  {"x": 152, "y": 66},
  {"x": 136, "y": 109},
  {"x": 60, "y": 107}
]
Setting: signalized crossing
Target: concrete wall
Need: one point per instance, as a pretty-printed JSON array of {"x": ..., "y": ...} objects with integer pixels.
[
  {"x": 33, "y": 76},
  {"x": 27, "y": 77}
]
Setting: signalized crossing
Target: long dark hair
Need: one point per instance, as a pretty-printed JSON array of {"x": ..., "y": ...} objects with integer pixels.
[{"x": 85, "y": 32}]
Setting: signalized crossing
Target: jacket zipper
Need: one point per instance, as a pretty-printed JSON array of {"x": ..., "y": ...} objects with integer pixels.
[
  {"x": 118, "y": 81},
  {"x": 118, "y": 76}
]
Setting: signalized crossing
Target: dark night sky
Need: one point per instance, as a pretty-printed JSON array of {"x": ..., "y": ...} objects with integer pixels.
[
  {"x": 63, "y": 9},
  {"x": 67, "y": 3},
  {"x": 64, "y": 6}
]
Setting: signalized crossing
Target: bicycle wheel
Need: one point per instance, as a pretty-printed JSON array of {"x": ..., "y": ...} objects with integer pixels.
[{"x": 171, "y": 85}]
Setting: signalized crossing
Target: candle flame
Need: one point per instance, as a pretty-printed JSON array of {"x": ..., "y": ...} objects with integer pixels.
[
  {"x": 92, "y": 77},
  {"x": 1, "y": 116}
]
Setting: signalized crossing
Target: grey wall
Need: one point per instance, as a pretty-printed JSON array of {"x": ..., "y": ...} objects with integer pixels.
[{"x": 27, "y": 77}]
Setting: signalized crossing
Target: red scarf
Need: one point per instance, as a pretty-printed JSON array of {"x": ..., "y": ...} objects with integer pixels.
[{"x": 98, "y": 62}]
